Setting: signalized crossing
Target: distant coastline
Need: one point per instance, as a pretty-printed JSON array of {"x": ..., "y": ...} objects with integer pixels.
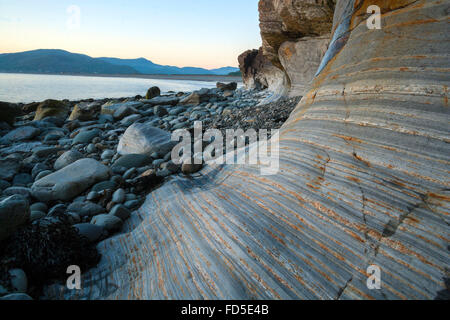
[{"x": 194, "y": 77}]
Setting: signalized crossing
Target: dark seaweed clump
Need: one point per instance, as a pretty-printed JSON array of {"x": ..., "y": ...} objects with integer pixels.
[{"x": 44, "y": 251}]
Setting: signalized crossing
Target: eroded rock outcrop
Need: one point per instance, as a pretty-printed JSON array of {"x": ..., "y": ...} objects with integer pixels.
[
  {"x": 363, "y": 180},
  {"x": 295, "y": 35}
]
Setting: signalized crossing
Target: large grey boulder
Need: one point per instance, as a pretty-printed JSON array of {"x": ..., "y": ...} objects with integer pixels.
[
  {"x": 141, "y": 138},
  {"x": 67, "y": 158},
  {"x": 14, "y": 211},
  {"x": 70, "y": 181}
]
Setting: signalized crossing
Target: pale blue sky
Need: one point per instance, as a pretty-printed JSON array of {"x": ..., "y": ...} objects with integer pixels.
[{"x": 200, "y": 33}]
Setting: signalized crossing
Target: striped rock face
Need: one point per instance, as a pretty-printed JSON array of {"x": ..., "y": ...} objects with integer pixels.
[{"x": 363, "y": 180}]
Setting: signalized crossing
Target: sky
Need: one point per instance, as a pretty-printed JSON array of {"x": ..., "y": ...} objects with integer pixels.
[{"x": 197, "y": 33}]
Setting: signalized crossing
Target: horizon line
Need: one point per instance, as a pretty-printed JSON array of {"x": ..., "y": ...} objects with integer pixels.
[{"x": 100, "y": 57}]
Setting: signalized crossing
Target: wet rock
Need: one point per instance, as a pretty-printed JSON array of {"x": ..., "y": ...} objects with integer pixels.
[
  {"x": 14, "y": 211},
  {"x": 141, "y": 138},
  {"x": 70, "y": 181}
]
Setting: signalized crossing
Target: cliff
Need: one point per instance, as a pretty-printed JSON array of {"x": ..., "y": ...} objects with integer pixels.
[
  {"x": 295, "y": 35},
  {"x": 363, "y": 180}
]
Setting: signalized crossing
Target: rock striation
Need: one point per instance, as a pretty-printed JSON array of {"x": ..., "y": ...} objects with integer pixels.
[{"x": 363, "y": 180}]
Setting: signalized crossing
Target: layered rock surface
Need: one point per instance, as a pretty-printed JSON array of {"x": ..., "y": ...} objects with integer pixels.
[{"x": 363, "y": 180}]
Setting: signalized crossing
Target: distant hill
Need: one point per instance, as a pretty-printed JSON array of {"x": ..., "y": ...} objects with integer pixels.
[{"x": 60, "y": 61}]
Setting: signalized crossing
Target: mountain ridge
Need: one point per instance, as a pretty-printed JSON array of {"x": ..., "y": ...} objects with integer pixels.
[{"x": 48, "y": 61}]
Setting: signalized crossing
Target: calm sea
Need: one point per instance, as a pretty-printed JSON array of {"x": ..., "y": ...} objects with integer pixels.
[{"x": 30, "y": 88}]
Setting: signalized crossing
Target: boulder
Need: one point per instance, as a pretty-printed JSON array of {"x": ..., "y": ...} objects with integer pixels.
[
  {"x": 153, "y": 92},
  {"x": 67, "y": 158},
  {"x": 14, "y": 211},
  {"x": 141, "y": 138},
  {"x": 20, "y": 134},
  {"x": 9, "y": 112},
  {"x": 85, "y": 111},
  {"x": 51, "y": 108},
  {"x": 70, "y": 181},
  {"x": 226, "y": 86}
]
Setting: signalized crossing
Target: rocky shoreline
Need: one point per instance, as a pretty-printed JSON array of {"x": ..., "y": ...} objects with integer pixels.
[{"x": 72, "y": 172}]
